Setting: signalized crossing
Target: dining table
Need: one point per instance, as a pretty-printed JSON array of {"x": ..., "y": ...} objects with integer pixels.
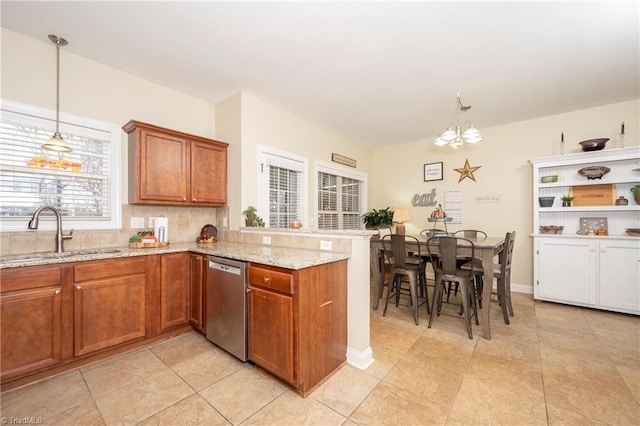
[{"x": 485, "y": 249}]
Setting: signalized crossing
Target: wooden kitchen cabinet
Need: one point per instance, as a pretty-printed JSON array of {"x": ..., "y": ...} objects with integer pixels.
[
  {"x": 168, "y": 167},
  {"x": 174, "y": 289},
  {"x": 297, "y": 322},
  {"x": 30, "y": 320},
  {"x": 196, "y": 292},
  {"x": 108, "y": 303}
]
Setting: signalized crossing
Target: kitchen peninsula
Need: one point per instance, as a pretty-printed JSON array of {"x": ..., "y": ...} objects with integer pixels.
[{"x": 54, "y": 308}]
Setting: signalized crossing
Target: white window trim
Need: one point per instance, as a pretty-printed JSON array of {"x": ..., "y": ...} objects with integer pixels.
[
  {"x": 323, "y": 166},
  {"x": 264, "y": 153},
  {"x": 115, "y": 156}
]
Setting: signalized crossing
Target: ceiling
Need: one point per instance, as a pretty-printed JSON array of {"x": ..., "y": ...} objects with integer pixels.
[{"x": 379, "y": 73}]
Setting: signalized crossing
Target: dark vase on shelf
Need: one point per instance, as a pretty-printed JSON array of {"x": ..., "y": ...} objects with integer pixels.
[{"x": 566, "y": 204}]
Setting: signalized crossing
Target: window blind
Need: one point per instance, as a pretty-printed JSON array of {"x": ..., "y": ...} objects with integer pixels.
[
  {"x": 340, "y": 201},
  {"x": 77, "y": 183},
  {"x": 285, "y": 201}
]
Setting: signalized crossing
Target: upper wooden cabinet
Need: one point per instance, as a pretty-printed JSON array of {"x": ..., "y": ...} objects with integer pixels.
[{"x": 168, "y": 167}]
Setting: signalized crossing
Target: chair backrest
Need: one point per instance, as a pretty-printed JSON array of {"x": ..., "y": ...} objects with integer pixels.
[
  {"x": 445, "y": 258},
  {"x": 471, "y": 233},
  {"x": 395, "y": 249},
  {"x": 506, "y": 256}
]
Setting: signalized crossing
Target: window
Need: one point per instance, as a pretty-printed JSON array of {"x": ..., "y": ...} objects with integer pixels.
[
  {"x": 341, "y": 197},
  {"x": 282, "y": 180},
  {"x": 83, "y": 184}
]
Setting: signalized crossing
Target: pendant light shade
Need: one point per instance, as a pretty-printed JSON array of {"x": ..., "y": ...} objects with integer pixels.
[
  {"x": 56, "y": 142},
  {"x": 454, "y": 136}
]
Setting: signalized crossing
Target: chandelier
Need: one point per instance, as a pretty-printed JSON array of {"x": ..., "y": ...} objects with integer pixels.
[
  {"x": 456, "y": 135},
  {"x": 56, "y": 142}
]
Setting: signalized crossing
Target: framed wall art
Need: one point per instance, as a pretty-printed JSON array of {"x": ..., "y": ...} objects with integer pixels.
[{"x": 433, "y": 171}]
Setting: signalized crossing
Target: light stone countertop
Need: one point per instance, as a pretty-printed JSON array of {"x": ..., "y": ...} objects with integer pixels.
[{"x": 284, "y": 257}]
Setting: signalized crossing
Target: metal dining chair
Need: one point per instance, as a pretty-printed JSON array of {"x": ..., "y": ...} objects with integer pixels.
[
  {"x": 502, "y": 274},
  {"x": 412, "y": 267},
  {"x": 474, "y": 234},
  {"x": 444, "y": 260}
]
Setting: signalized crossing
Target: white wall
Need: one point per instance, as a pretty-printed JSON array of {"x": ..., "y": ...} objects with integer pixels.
[{"x": 505, "y": 171}]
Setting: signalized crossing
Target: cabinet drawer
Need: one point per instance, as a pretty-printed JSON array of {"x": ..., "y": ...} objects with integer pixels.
[
  {"x": 273, "y": 280},
  {"x": 13, "y": 279},
  {"x": 108, "y": 268}
]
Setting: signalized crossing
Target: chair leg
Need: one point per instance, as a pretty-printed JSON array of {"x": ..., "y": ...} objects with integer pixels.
[
  {"x": 502, "y": 299},
  {"x": 413, "y": 289},
  {"x": 465, "y": 308},
  {"x": 422, "y": 281},
  {"x": 435, "y": 301},
  {"x": 507, "y": 295},
  {"x": 392, "y": 286}
]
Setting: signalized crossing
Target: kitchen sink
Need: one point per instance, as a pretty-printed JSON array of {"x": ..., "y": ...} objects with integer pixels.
[{"x": 50, "y": 255}]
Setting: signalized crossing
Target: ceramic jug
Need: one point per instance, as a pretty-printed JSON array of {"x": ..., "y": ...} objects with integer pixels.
[{"x": 636, "y": 193}]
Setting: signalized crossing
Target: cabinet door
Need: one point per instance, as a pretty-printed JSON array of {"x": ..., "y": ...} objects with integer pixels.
[
  {"x": 619, "y": 275},
  {"x": 174, "y": 290},
  {"x": 163, "y": 168},
  {"x": 108, "y": 312},
  {"x": 270, "y": 332},
  {"x": 31, "y": 325},
  {"x": 196, "y": 292},
  {"x": 567, "y": 270},
  {"x": 208, "y": 173}
]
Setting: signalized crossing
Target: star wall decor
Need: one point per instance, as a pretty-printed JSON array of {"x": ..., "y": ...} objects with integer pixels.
[{"x": 467, "y": 171}]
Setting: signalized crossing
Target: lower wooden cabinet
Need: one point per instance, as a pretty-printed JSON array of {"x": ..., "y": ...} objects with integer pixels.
[
  {"x": 108, "y": 303},
  {"x": 297, "y": 322},
  {"x": 33, "y": 342},
  {"x": 197, "y": 319},
  {"x": 174, "y": 290}
]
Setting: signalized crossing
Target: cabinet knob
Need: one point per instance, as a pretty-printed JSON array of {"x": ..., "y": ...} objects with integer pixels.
[
  {"x": 78, "y": 287},
  {"x": 194, "y": 200},
  {"x": 248, "y": 290},
  {"x": 184, "y": 198},
  {"x": 57, "y": 291},
  {"x": 265, "y": 280}
]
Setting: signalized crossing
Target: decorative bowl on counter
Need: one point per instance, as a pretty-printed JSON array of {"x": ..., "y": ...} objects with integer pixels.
[
  {"x": 551, "y": 229},
  {"x": 634, "y": 232},
  {"x": 549, "y": 179},
  {"x": 546, "y": 201},
  {"x": 594, "y": 172},
  {"x": 593, "y": 144}
]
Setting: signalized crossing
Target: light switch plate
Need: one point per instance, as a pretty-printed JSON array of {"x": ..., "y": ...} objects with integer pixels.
[
  {"x": 266, "y": 240},
  {"x": 137, "y": 223}
]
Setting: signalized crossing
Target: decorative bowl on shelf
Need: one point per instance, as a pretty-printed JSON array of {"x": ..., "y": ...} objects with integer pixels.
[
  {"x": 546, "y": 201},
  {"x": 594, "y": 172},
  {"x": 593, "y": 144},
  {"x": 551, "y": 229},
  {"x": 634, "y": 232},
  {"x": 549, "y": 179}
]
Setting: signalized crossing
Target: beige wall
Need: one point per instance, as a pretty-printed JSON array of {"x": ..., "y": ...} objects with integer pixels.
[
  {"x": 263, "y": 123},
  {"x": 505, "y": 172},
  {"x": 93, "y": 90}
]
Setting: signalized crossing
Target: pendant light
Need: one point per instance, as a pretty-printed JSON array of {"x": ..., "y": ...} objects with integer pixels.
[
  {"x": 455, "y": 136},
  {"x": 56, "y": 142}
]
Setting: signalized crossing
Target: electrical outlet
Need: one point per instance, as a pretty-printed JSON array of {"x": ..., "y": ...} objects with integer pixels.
[
  {"x": 152, "y": 222},
  {"x": 224, "y": 222},
  {"x": 325, "y": 245},
  {"x": 137, "y": 223},
  {"x": 266, "y": 240}
]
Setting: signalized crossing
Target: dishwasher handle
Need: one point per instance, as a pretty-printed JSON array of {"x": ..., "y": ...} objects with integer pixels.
[{"x": 224, "y": 268}]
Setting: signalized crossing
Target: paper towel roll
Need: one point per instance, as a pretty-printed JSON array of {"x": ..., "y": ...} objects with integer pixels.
[{"x": 161, "y": 229}]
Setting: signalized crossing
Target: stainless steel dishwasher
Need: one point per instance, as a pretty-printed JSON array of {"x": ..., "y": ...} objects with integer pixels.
[{"x": 226, "y": 305}]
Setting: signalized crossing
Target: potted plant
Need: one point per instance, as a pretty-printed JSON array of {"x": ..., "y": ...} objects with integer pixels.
[
  {"x": 252, "y": 218},
  {"x": 566, "y": 200},
  {"x": 378, "y": 218}
]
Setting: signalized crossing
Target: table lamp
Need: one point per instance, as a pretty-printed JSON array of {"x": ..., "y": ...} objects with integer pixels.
[{"x": 400, "y": 216}]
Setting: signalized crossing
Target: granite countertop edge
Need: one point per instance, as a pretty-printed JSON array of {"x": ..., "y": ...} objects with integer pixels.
[{"x": 284, "y": 257}]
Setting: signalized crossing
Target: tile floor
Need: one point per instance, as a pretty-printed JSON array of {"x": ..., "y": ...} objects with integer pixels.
[{"x": 553, "y": 365}]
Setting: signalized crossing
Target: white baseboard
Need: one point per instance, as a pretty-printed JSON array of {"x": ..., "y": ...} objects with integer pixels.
[
  {"x": 521, "y": 288},
  {"x": 360, "y": 359}
]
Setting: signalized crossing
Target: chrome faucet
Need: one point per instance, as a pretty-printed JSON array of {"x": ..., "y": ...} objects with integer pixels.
[{"x": 60, "y": 237}]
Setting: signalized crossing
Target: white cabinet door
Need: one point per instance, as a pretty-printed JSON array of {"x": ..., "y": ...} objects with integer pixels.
[
  {"x": 619, "y": 286},
  {"x": 567, "y": 270}
]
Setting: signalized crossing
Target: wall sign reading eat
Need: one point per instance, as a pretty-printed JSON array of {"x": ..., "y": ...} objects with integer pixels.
[{"x": 424, "y": 200}]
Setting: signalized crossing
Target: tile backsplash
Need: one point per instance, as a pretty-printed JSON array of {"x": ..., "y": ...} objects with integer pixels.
[{"x": 185, "y": 224}]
